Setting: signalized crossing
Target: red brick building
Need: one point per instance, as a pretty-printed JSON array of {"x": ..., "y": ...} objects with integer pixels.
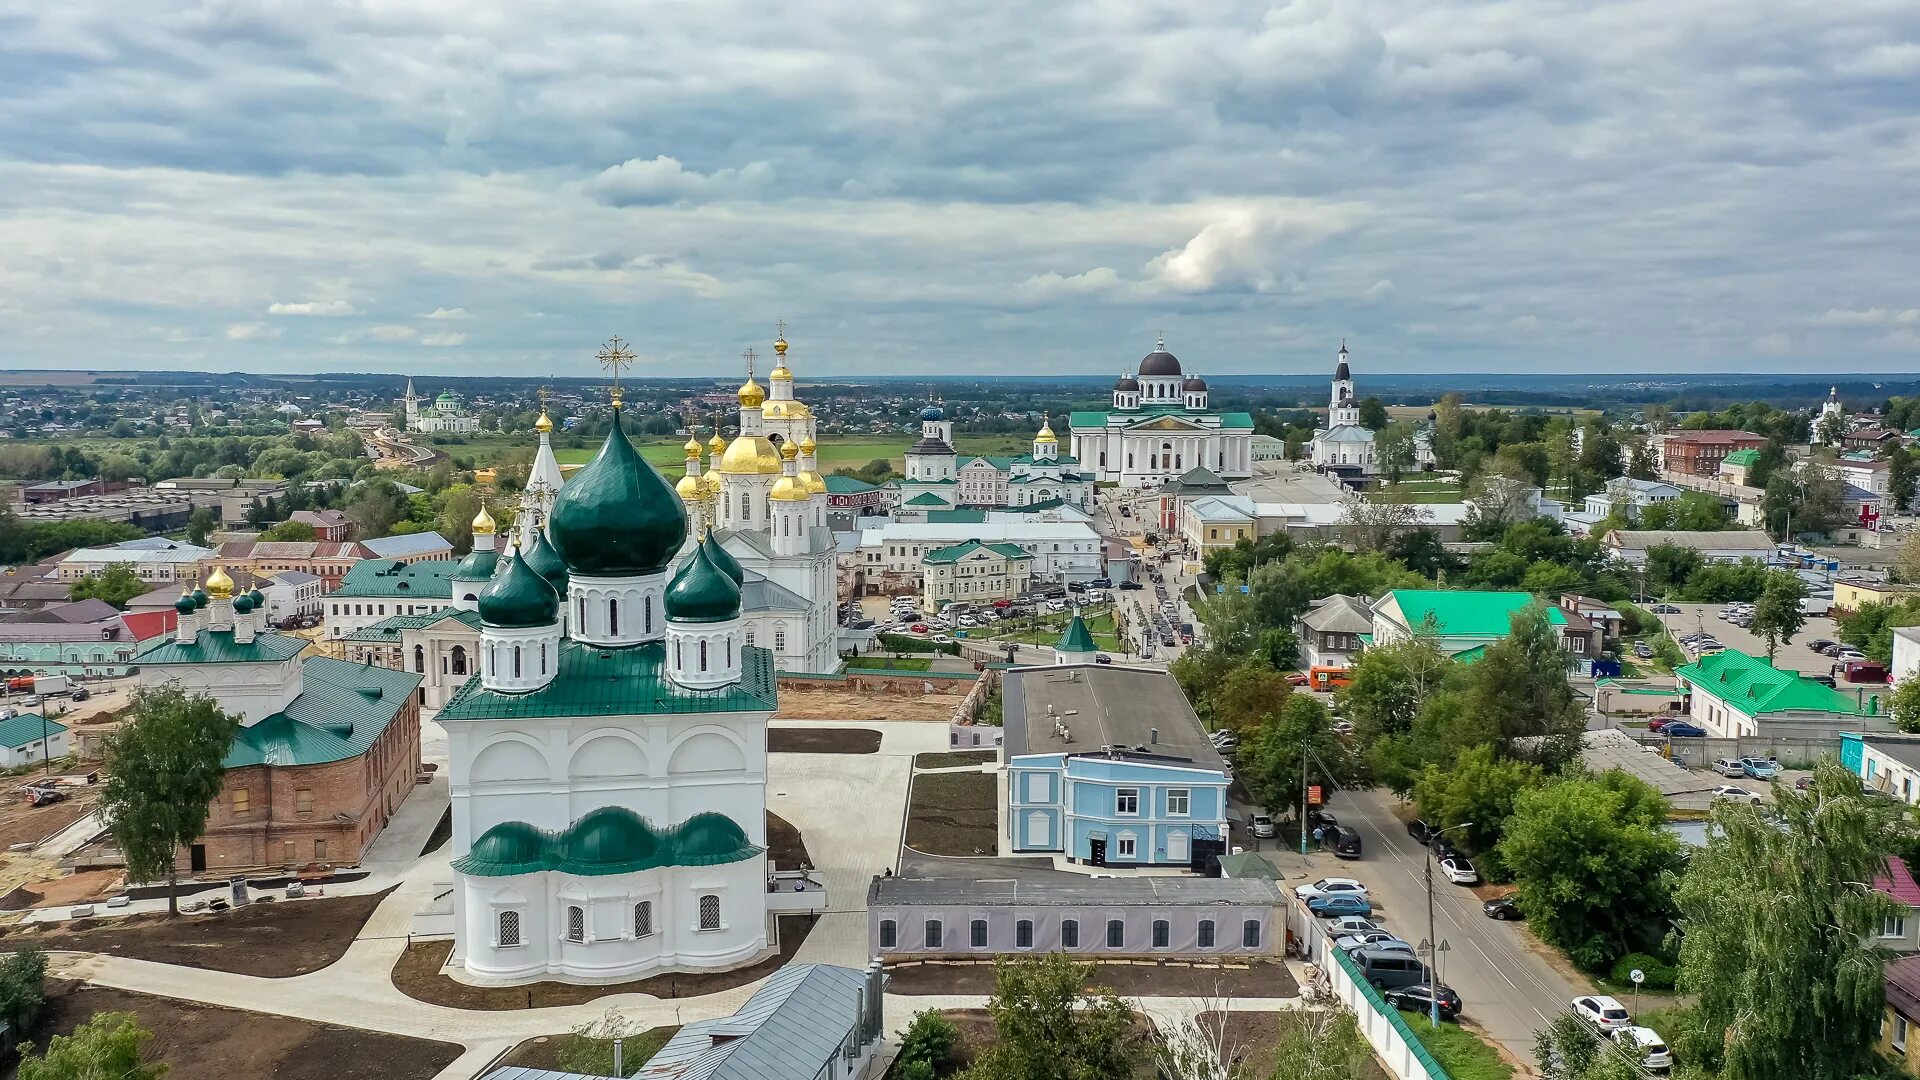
[{"x": 1699, "y": 453}]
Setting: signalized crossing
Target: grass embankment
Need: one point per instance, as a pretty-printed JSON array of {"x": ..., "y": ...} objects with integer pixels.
[{"x": 1465, "y": 1055}]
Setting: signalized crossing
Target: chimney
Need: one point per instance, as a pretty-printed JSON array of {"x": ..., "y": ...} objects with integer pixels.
[{"x": 1153, "y": 735}]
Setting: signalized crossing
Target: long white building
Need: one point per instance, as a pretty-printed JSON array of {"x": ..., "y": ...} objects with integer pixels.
[{"x": 1061, "y": 550}]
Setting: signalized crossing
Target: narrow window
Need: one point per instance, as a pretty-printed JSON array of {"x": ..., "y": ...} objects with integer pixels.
[
  {"x": 703, "y": 654},
  {"x": 516, "y": 661},
  {"x": 576, "y": 923},
  {"x": 729, "y": 650},
  {"x": 710, "y": 911},
  {"x": 303, "y": 800},
  {"x": 543, "y": 658},
  {"x": 889, "y": 933},
  {"x": 1116, "y": 934},
  {"x": 419, "y": 659},
  {"x": 1070, "y": 933},
  {"x": 319, "y": 851},
  {"x": 1023, "y": 934},
  {"x": 979, "y": 933},
  {"x": 509, "y": 929},
  {"x": 1206, "y": 933},
  {"x": 1162, "y": 933},
  {"x": 1250, "y": 934},
  {"x": 933, "y": 933},
  {"x": 613, "y": 618},
  {"x": 643, "y": 919},
  {"x": 646, "y": 608},
  {"x": 580, "y": 609},
  {"x": 679, "y": 661},
  {"x": 241, "y": 801}
]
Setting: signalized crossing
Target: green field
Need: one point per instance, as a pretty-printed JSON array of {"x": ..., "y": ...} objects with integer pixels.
[{"x": 835, "y": 451}]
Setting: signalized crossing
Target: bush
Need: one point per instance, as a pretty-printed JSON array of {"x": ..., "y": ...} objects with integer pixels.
[
  {"x": 1660, "y": 974},
  {"x": 927, "y": 1045}
]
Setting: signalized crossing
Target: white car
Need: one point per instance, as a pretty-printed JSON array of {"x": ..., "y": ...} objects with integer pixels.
[
  {"x": 1728, "y": 791},
  {"x": 1459, "y": 871},
  {"x": 1331, "y": 886},
  {"x": 1352, "y": 924},
  {"x": 1645, "y": 1044},
  {"x": 1372, "y": 939},
  {"x": 1602, "y": 1012},
  {"x": 1261, "y": 825}
]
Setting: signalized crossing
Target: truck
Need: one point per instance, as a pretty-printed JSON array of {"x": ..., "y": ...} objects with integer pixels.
[
  {"x": 1815, "y": 605},
  {"x": 47, "y": 685}
]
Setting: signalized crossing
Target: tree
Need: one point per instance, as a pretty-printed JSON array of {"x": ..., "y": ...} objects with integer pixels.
[
  {"x": 1391, "y": 683},
  {"x": 1777, "y": 615},
  {"x": 1780, "y": 919},
  {"x": 1569, "y": 1049},
  {"x": 1906, "y": 563},
  {"x": 163, "y": 772},
  {"x": 23, "y": 978},
  {"x": 1270, "y": 762},
  {"x": 1373, "y": 414},
  {"x": 930, "y": 1039},
  {"x": 1248, "y": 695},
  {"x": 116, "y": 584},
  {"x": 1495, "y": 502},
  {"x": 290, "y": 532},
  {"x": 1589, "y": 855},
  {"x": 459, "y": 505},
  {"x": 375, "y": 509},
  {"x": 1904, "y": 705},
  {"x": 1370, "y": 522},
  {"x": 1670, "y": 567},
  {"x": 201, "y": 524},
  {"x": 1393, "y": 449},
  {"x": 1902, "y": 471},
  {"x": 1048, "y": 1028},
  {"x": 1831, "y": 428},
  {"x": 1479, "y": 791},
  {"x": 1517, "y": 693},
  {"x": 109, "y": 1046}
]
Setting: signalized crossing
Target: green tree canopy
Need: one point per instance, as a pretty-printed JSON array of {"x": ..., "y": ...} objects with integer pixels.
[
  {"x": 1049, "y": 1028},
  {"x": 1777, "y": 615},
  {"x": 163, "y": 770},
  {"x": 1479, "y": 791},
  {"x": 109, "y": 1046},
  {"x": 1249, "y": 694},
  {"x": 291, "y": 532},
  {"x": 116, "y": 584},
  {"x": 1270, "y": 762},
  {"x": 1517, "y": 693}
]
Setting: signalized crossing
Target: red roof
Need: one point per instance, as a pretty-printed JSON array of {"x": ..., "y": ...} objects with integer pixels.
[
  {"x": 1901, "y": 978},
  {"x": 1898, "y": 882},
  {"x": 147, "y": 624}
]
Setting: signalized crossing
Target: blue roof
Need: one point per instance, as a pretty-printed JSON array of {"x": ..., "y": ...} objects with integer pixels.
[
  {"x": 28, "y": 728},
  {"x": 792, "y": 1027}
]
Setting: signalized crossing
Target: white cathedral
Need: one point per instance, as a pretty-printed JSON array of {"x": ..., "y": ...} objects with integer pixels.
[
  {"x": 1160, "y": 426},
  {"x": 445, "y": 415},
  {"x": 940, "y": 478},
  {"x": 1344, "y": 445},
  {"x": 608, "y": 765}
]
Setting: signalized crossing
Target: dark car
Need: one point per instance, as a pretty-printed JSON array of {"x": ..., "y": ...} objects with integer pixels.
[
  {"x": 1345, "y": 843},
  {"x": 1420, "y": 998},
  {"x": 1664, "y": 609},
  {"x": 1684, "y": 731},
  {"x": 1321, "y": 818},
  {"x": 1820, "y": 644},
  {"x": 82, "y": 694},
  {"x": 1132, "y": 586},
  {"x": 1441, "y": 846},
  {"x": 1420, "y": 831},
  {"x": 1503, "y": 909}
]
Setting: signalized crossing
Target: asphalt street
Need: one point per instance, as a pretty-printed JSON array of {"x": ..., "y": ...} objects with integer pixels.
[{"x": 1508, "y": 990}]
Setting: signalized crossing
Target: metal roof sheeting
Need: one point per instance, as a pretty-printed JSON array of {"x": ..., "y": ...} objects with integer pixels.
[
  {"x": 595, "y": 680},
  {"x": 788, "y": 1030},
  {"x": 340, "y": 710}
]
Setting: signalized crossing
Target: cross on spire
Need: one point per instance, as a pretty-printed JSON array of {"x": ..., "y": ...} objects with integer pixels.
[
  {"x": 780, "y": 329},
  {"x": 750, "y": 357},
  {"x": 616, "y": 355}
]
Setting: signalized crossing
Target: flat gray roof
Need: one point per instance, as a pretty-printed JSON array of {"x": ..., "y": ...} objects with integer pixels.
[
  {"x": 1071, "y": 891},
  {"x": 1904, "y": 751},
  {"x": 1102, "y": 705}
]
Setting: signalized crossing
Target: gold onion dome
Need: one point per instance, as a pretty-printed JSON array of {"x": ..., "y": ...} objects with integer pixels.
[
  {"x": 1046, "y": 433},
  {"x": 219, "y": 586},
  {"x": 816, "y": 484},
  {"x": 693, "y": 446},
  {"x": 716, "y": 444},
  {"x": 789, "y": 450},
  {"x": 780, "y": 345},
  {"x": 751, "y": 454},
  {"x": 543, "y": 425},
  {"x": 751, "y": 395},
  {"x": 688, "y": 487},
  {"x": 710, "y": 485},
  {"x": 483, "y": 523},
  {"x": 789, "y": 489},
  {"x": 807, "y": 445},
  {"x": 785, "y": 410}
]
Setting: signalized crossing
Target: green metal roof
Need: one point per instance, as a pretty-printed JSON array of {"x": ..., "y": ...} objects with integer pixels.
[
  {"x": 341, "y": 709},
  {"x": 28, "y": 728},
  {"x": 927, "y": 498},
  {"x": 1754, "y": 687},
  {"x": 547, "y": 562},
  {"x": 702, "y": 592},
  {"x": 608, "y": 840},
  {"x": 1741, "y": 457},
  {"x": 1248, "y": 865},
  {"x": 847, "y": 485},
  {"x": 519, "y": 597},
  {"x": 1001, "y": 462},
  {"x": 1229, "y": 421},
  {"x": 1466, "y": 612},
  {"x": 723, "y": 559},
  {"x": 428, "y": 579},
  {"x": 388, "y": 631},
  {"x": 957, "y": 517},
  {"x": 218, "y": 647},
  {"x": 479, "y": 565},
  {"x": 956, "y": 552},
  {"x": 1077, "y": 639},
  {"x": 618, "y": 515},
  {"x": 593, "y": 680}
]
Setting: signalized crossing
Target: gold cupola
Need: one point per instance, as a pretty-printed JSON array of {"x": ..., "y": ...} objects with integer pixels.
[
  {"x": 689, "y": 485},
  {"x": 218, "y": 585},
  {"x": 780, "y": 370},
  {"x": 1046, "y": 433},
  {"x": 816, "y": 484},
  {"x": 693, "y": 446},
  {"x": 483, "y": 523},
  {"x": 751, "y": 394},
  {"x": 716, "y": 444},
  {"x": 751, "y": 454},
  {"x": 544, "y": 425},
  {"x": 789, "y": 488}
]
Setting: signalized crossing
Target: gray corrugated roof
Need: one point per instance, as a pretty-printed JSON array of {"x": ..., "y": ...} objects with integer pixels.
[
  {"x": 788, "y": 1030},
  {"x": 1103, "y": 705},
  {"x": 394, "y": 547},
  {"x": 765, "y": 594},
  {"x": 1071, "y": 890},
  {"x": 517, "y": 1072},
  {"x": 1341, "y": 614}
]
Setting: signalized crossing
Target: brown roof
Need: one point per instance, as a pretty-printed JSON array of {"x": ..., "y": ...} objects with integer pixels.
[
  {"x": 1902, "y": 980},
  {"x": 1713, "y": 435}
]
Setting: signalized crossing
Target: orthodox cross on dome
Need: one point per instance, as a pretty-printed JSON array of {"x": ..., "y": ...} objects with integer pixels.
[
  {"x": 749, "y": 356},
  {"x": 615, "y": 356}
]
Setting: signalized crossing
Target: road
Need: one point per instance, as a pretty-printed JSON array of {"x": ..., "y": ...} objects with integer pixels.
[{"x": 1509, "y": 991}]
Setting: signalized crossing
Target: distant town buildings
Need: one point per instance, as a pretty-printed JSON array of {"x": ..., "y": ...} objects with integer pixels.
[{"x": 444, "y": 415}]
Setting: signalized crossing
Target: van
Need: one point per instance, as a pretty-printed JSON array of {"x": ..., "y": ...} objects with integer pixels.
[
  {"x": 1345, "y": 843},
  {"x": 1324, "y": 678},
  {"x": 1389, "y": 970},
  {"x": 1729, "y": 767}
]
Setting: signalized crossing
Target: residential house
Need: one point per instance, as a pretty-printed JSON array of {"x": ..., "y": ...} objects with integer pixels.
[
  {"x": 1216, "y": 522},
  {"x": 1887, "y": 762},
  {"x": 1198, "y": 482},
  {"x": 1898, "y": 933},
  {"x": 170, "y": 563},
  {"x": 1733, "y": 695},
  {"x": 328, "y": 561},
  {"x": 1699, "y": 453},
  {"x": 329, "y": 525},
  {"x": 84, "y": 637},
  {"x": 909, "y": 918},
  {"x": 1598, "y": 612},
  {"x": 1737, "y": 468},
  {"x": 1850, "y": 594},
  {"x": 1873, "y": 475},
  {"x": 1468, "y": 620},
  {"x": 1625, "y": 497},
  {"x": 1900, "y": 978},
  {"x": 1110, "y": 767},
  {"x": 1870, "y": 438},
  {"x": 1906, "y": 654},
  {"x": 1723, "y": 545},
  {"x": 377, "y": 589},
  {"x": 972, "y": 572},
  {"x": 1334, "y": 630},
  {"x": 806, "y": 1022},
  {"x": 848, "y": 495}
]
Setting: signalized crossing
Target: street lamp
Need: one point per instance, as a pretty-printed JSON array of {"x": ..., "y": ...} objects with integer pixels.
[{"x": 1433, "y": 987}]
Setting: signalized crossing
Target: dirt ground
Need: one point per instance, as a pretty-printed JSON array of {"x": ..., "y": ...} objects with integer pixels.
[
  {"x": 544, "y": 1052},
  {"x": 952, "y": 759},
  {"x": 786, "y": 848},
  {"x": 857, "y": 706},
  {"x": 1260, "y": 980},
  {"x": 272, "y": 940},
  {"x": 1252, "y": 1037},
  {"x": 822, "y": 741},
  {"x": 418, "y": 976},
  {"x": 78, "y": 888},
  {"x": 23, "y": 824},
  {"x": 206, "y": 1042},
  {"x": 954, "y": 814}
]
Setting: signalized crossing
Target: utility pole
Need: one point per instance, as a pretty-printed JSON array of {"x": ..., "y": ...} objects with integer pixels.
[{"x": 1303, "y": 798}]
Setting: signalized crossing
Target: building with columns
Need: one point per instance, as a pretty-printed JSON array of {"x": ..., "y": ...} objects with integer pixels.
[
  {"x": 444, "y": 415},
  {"x": 1159, "y": 427}
]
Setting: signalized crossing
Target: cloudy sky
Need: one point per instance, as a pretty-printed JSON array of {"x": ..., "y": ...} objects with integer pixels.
[{"x": 487, "y": 187}]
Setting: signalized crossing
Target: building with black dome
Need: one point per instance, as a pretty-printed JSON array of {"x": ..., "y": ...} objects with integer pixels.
[{"x": 1160, "y": 426}]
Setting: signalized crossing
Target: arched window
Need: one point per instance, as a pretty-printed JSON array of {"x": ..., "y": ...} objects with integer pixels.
[
  {"x": 458, "y": 658},
  {"x": 420, "y": 659},
  {"x": 643, "y": 919},
  {"x": 509, "y": 929},
  {"x": 703, "y": 654},
  {"x": 710, "y": 911},
  {"x": 1250, "y": 933},
  {"x": 1206, "y": 933},
  {"x": 646, "y": 607},
  {"x": 613, "y": 618},
  {"x": 516, "y": 661},
  {"x": 576, "y": 923},
  {"x": 889, "y": 933},
  {"x": 745, "y": 509}
]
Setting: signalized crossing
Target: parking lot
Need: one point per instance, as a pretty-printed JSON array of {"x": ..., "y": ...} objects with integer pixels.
[{"x": 1792, "y": 656}]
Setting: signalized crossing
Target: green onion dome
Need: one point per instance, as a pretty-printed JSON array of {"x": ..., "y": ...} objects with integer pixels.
[
  {"x": 199, "y": 598},
  {"x": 259, "y": 599},
  {"x": 617, "y": 516},
  {"x": 184, "y": 605},
  {"x": 547, "y": 562},
  {"x": 509, "y": 848},
  {"x": 709, "y": 839},
  {"x": 479, "y": 565},
  {"x": 519, "y": 597},
  {"x": 702, "y": 592},
  {"x": 724, "y": 561},
  {"x": 610, "y": 840},
  {"x": 242, "y": 604}
]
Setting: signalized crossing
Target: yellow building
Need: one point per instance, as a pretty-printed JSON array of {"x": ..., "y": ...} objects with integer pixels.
[
  {"x": 1852, "y": 594},
  {"x": 1217, "y": 521},
  {"x": 973, "y": 573}
]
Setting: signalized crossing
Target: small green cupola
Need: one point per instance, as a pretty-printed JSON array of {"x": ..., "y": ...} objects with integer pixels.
[
  {"x": 479, "y": 565},
  {"x": 702, "y": 592},
  {"x": 1076, "y": 646},
  {"x": 726, "y": 562},
  {"x": 519, "y": 598}
]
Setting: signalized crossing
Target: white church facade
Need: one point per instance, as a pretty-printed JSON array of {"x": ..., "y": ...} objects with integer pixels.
[
  {"x": 1345, "y": 445},
  {"x": 444, "y": 415},
  {"x": 1159, "y": 427}
]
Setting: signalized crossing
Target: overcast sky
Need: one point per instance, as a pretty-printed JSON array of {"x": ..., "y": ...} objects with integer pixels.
[{"x": 494, "y": 188}]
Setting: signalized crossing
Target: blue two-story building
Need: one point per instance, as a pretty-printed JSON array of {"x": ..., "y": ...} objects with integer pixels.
[{"x": 1109, "y": 766}]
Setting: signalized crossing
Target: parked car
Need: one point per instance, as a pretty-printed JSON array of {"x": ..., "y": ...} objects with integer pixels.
[
  {"x": 1322, "y": 819},
  {"x": 1420, "y": 998},
  {"x": 1727, "y": 791},
  {"x": 1261, "y": 825},
  {"x": 1805, "y": 783},
  {"x": 1354, "y": 942},
  {"x": 1460, "y": 871},
  {"x": 1664, "y": 609},
  {"x": 1646, "y": 1046},
  {"x": 1352, "y": 924},
  {"x": 1442, "y": 846},
  {"x": 1345, "y": 843},
  {"x": 1602, "y": 1012},
  {"x": 1659, "y": 723},
  {"x": 1643, "y": 650},
  {"x": 1760, "y": 768},
  {"x": 1684, "y": 731},
  {"x": 1503, "y": 909},
  {"x": 1821, "y": 645},
  {"x": 1390, "y": 969},
  {"x": 82, "y": 694},
  {"x": 1330, "y": 886},
  {"x": 1328, "y": 907},
  {"x": 1420, "y": 831},
  {"x": 1727, "y": 766}
]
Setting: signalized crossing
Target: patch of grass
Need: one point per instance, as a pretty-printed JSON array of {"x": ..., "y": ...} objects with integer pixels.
[
  {"x": 954, "y": 814},
  {"x": 890, "y": 663},
  {"x": 1465, "y": 1055}
]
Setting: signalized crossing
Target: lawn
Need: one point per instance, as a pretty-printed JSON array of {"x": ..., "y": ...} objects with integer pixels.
[
  {"x": 1422, "y": 491},
  {"x": 1464, "y": 1055},
  {"x": 891, "y": 663},
  {"x": 954, "y": 814},
  {"x": 1046, "y": 629}
]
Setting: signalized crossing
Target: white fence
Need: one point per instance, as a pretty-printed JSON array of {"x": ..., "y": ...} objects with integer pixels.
[{"x": 1392, "y": 1040}]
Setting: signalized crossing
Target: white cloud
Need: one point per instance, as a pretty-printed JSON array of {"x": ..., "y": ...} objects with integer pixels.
[
  {"x": 252, "y": 331},
  {"x": 1774, "y": 344},
  {"x": 444, "y": 340},
  {"x": 1242, "y": 247},
  {"x": 446, "y": 313},
  {"x": 1378, "y": 291},
  {"x": 1049, "y": 285},
  {"x": 1895, "y": 61},
  {"x": 313, "y": 307},
  {"x": 1844, "y": 317},
  {"x": 638, "y": 181},
  {"x": 390, "y": 332}
]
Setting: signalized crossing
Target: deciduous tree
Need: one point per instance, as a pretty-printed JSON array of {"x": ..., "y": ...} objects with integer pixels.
[
  {"x": 163, "y": 770},
  {"x": 291, "y": 532},
  {"x": 1478, "y": 790},
  {"x": 109, "y": 1046},
  {"x": 1049, "y": 1027},
  {"x": 1777, "y": 615},
  {"x": 116, "y": 584}
]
